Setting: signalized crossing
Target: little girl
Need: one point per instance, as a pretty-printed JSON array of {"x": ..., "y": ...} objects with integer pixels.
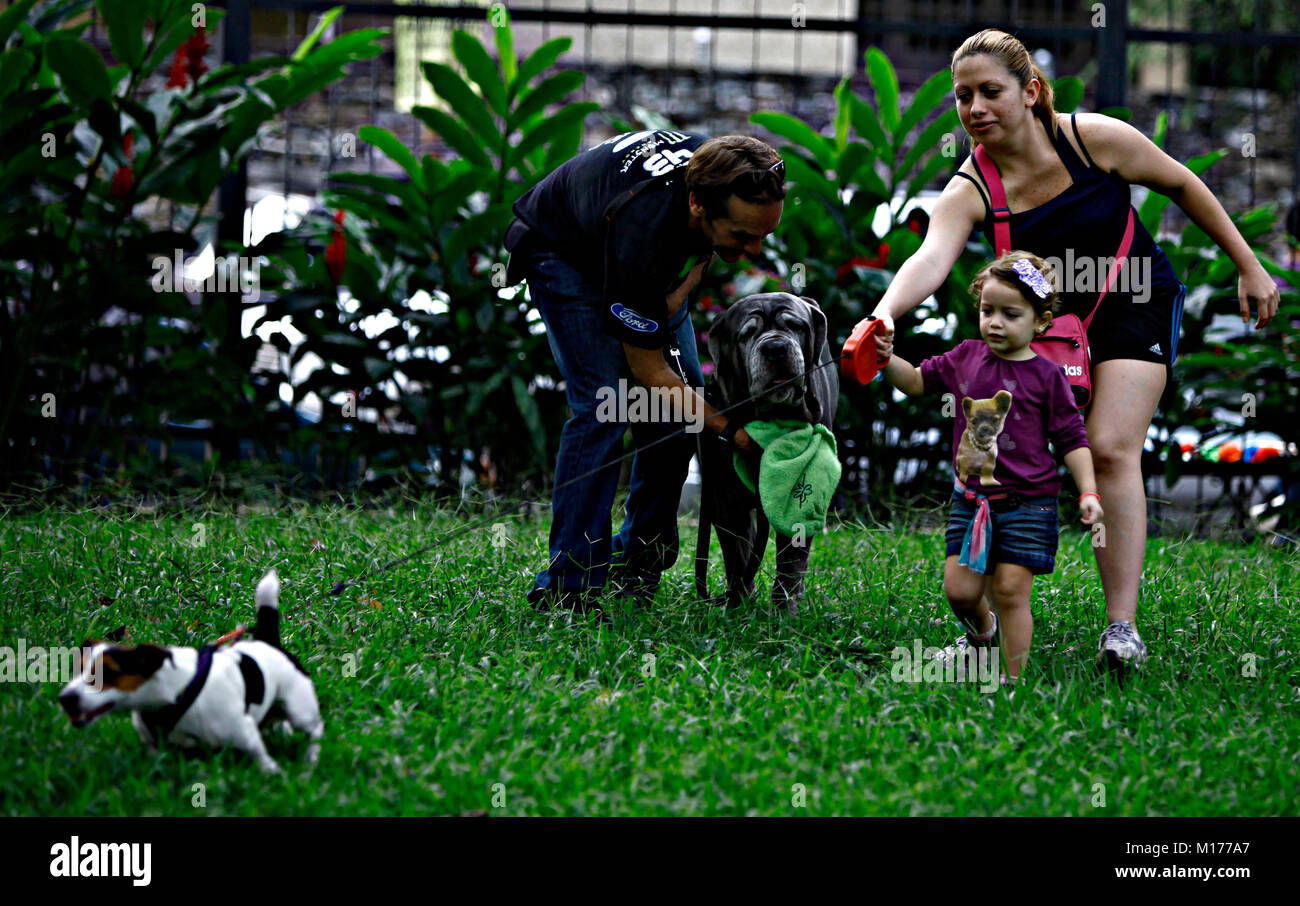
[{"x": 1003, "y": 528}]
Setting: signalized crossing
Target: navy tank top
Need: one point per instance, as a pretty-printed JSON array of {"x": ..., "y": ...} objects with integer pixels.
[{"x": 1083, "y": 225}]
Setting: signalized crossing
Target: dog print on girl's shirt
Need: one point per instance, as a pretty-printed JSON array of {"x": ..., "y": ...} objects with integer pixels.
[{"x": 1009, "y": 412}]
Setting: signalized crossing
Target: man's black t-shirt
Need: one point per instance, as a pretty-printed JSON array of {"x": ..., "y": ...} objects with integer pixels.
[{"x": 618, "y": 213}]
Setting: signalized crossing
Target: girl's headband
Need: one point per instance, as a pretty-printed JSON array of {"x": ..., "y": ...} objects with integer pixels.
[{"x": 1032, "y": 277}]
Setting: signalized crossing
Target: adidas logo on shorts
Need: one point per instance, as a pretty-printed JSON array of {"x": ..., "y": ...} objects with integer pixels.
[{"x": 1155, "y": 347}]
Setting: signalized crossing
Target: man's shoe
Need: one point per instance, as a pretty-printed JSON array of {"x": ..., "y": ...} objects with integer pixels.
[
  {"x": 1120, "y": 646},
  {"x": 637, "y": 590},
  {"x": 549, "y": 599}
]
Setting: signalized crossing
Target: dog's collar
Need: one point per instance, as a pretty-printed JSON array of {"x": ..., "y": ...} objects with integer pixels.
[{"x": 164, "y": 720}]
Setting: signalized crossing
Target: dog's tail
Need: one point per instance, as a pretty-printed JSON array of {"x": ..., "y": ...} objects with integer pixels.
[{"x": 267, "y": 628}]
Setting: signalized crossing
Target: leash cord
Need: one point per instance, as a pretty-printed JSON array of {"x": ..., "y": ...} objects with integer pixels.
[{"x": 343, "y": 585}]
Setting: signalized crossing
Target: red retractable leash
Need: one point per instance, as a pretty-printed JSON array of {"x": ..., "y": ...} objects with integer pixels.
[{"x": 859, "y": 360}]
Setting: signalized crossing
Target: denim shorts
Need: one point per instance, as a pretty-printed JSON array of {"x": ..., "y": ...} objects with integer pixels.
[{"x": 1024, "y": 531}]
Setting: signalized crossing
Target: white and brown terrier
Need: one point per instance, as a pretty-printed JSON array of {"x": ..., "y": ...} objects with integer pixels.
[{"x": 219, "y": 696}]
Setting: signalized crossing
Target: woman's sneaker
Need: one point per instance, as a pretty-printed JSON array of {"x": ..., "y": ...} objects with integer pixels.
[{"x": 1120, "y": 646}]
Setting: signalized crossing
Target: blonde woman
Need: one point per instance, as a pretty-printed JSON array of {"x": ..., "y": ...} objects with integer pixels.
[{"x": 1067, "y": 185}]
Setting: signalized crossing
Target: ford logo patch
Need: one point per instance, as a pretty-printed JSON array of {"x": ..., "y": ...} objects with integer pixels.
[{"x": 632, "y": 319}]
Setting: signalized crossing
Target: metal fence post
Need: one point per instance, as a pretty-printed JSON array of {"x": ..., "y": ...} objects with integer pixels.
[
  {"x": 1112, "y": 55},
  {"x": 237, "y": 37}
]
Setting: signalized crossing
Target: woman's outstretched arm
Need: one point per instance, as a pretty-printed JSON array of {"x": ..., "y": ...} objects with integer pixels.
[
  {"x": 956, "y": 214},
  {"x": 1119, "y": 148}
]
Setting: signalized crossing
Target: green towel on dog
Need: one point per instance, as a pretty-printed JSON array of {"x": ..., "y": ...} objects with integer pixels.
[{"x": 797, "y": 475}]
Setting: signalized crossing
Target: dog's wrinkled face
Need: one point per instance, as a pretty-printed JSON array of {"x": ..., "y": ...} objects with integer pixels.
[
  {"x": 112, "y": 676},
  {"x": 765, "y": 341}
]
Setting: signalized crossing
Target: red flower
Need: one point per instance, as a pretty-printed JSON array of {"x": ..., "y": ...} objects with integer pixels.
[
  {"x": 188, "y": 63},
  {"x": 844, "y": 273},
  {"x": 124, "y": 178},
  {"x": 336, "y": 253},
  {"x": 123, "y": 182}
]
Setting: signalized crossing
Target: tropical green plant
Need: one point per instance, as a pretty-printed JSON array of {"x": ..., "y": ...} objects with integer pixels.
[
  {"x": 1254, "y": 375},
  {"x": 460, "y": 363},
  {"x": 92, "y": 346}
]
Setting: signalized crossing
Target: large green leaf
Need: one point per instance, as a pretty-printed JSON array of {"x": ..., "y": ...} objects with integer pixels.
[
  {"x": 843, "y": 113},
  {"x": 469, "y": 51},
  {"x": 928, "y": 96},
  {"x": 850, "y": 161},
  {"x": 549, "y": 91},
  {"x": 383, "y": 186},
  {"x": 374, "y": 210},
  {"x": 541, "y": 58},
  {"x": 867, "y": 125},
  {"x": 930, "y": 139},
  {"x": 453, "y": 133},
  {"x": 1162, "y": 124},
  {"x": 799, "y": 132},
  {"x": 477, "y": 230},
  {"x": 392, "y": 146},
  {"x": 14, "y": 67},
  {"x": 805, "y": 176},
  {"x": 10, "y": 18},
  {"x": 932, "y": 168},
  {"x": 310, "y": 41},
  {"x": 467, "y": 105},
  {"x": 568, "y": 119},
  {"x": 125, "y": 21},
  {"x": 885, "y": 81},
  {"x": 505, "y": 43},
  {"x": 448, "y": 202},
  {"x": 80, "y": 69},
  {"x": 1067, "y": 92}
]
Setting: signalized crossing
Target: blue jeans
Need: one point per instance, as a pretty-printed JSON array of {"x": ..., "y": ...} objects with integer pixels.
[
  {"x": 1025, "y": 531},
  {"x": 581, "y": 546}
]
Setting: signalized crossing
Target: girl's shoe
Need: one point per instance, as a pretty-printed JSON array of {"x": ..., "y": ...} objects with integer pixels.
[{"x": 965, "y": 644}]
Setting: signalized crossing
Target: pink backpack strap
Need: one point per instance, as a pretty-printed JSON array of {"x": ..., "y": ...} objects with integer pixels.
[
  {"x": 1121, "y": 256},
  {"x": 998, "y": 199},
  {"x": 1002, "y": 226}
]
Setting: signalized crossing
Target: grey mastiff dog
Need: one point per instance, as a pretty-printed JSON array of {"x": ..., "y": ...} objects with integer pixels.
[{"x": 761, "y": 342}]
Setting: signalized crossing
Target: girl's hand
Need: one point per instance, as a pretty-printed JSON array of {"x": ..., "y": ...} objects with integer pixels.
[
  {"x": 884, "y": 337},
  {"x": 1090, "y": 510},
  {"x": 1257, "y": 289}
]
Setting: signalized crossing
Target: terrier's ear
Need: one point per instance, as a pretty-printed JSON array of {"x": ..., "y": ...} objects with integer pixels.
[{"x": 143, "y": 660}]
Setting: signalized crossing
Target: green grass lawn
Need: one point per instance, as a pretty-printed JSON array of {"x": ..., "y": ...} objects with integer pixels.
[{"x": 465, "y": 699}]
